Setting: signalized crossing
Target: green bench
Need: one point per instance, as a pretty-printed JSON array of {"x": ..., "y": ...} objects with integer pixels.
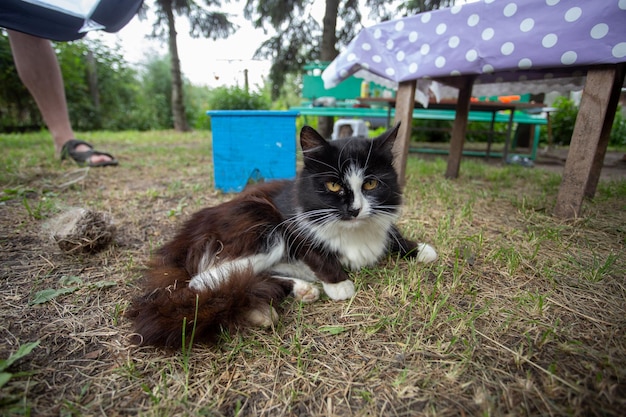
[{"x": 519, "y": 117}]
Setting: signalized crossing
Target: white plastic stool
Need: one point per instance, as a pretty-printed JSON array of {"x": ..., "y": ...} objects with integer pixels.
[{"x": 349, "y": 127}]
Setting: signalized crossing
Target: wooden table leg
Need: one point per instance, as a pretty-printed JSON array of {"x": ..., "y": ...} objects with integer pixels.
[
  {"x": 405, "y": 101},
  {"x": 589, "y": 139},
  {"x": 605, "y": 134},
  {"x": 460, "y": 126}
]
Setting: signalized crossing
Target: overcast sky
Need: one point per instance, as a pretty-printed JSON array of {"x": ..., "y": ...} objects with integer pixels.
[{"x": 203, "y": 61}]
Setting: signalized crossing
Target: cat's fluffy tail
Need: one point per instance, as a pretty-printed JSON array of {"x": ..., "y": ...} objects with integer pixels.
[{"x": 164, "y": 315}]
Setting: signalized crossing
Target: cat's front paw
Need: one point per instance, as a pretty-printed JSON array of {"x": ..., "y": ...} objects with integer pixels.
[
  {"x": 340, "y": 290},
  {"x": 305, "y": 292},
  {"x": 426, "y": 253}
]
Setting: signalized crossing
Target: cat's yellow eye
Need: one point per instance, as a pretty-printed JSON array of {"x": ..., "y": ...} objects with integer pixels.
[
  {"x": 370, "y": 185},
  {"x": 333, "y": 186}
]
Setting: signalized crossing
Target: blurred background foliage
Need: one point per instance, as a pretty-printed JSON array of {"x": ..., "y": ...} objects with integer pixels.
[{"x": 104, "y": 92}]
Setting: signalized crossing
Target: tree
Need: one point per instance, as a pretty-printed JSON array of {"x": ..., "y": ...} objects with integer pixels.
[
  {"x": 203, "y": 23},
  {"x": 300, "y": 39}
]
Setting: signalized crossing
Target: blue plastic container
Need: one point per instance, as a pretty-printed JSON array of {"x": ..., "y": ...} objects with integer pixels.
[{"x": 252, "y": 146}]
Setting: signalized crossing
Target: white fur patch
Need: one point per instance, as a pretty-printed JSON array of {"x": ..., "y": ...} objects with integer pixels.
[
  {"x": 339, "y": 291},
  {"x": 296, "y": 270},
  {"x": 210, "y": 277},
  {"x": 426, "y": 253},
  {"x": 302, "y": 290},
  {"x": 355, "y": 181},
  {"x": 359, "y": 242}
]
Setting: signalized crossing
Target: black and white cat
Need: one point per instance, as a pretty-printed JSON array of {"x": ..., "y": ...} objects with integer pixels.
[{"x": 231, "y": 265}]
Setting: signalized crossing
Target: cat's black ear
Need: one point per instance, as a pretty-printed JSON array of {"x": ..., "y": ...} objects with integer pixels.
[
  {"x": 387, "y": 139},
  {"x": 310, "y": 139}
]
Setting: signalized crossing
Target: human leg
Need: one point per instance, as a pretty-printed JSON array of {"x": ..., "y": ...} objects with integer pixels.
[{"x": 39, "y": 70}]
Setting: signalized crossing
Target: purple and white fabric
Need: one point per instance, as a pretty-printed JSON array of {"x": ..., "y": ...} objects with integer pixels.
[{"x": 497, "y": 40}]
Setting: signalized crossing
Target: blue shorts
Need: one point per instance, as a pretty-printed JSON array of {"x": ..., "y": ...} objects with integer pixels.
[{"x": 66, "y": 21}]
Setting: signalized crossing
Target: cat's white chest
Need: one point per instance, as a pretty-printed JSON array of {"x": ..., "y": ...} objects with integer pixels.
[{"x": 358, "y": 245}]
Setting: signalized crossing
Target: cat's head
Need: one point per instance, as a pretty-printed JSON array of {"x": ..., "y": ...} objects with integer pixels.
[{"x": 348, "y": 179}]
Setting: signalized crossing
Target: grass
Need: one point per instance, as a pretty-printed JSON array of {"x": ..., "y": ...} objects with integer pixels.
[{"x": 523, "y": 314}]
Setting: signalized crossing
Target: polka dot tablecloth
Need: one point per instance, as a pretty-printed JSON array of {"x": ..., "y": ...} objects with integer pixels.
[{"x": 498, "y": 40}]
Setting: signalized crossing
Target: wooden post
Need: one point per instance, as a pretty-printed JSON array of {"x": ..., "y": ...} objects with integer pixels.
[
  {"x": 605, "y": 135},
  {"x": 405, "y": 102},
  {"x": 589, "y": 139},
  {"x": 460, "y": 126}
]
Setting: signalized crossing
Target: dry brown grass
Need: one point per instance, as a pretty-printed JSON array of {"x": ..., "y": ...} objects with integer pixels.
[{"x": 523, "y": 314}]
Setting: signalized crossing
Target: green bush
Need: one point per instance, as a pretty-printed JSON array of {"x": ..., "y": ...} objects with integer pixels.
[
  {"x": 236, "y": 98},
  {"x": 425, "y": 130},
  {"x": 618, "y": 131},
  {"x": 563, "y": 120}
]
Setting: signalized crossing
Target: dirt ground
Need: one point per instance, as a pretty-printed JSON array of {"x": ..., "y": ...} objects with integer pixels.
[
  {"x": 554, "y": 160},
  {"x": 483, "y": 332}
]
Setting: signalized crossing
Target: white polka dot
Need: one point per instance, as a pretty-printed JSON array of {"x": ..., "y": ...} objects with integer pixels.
[
  {"x": 412, "y": 36},
  {"x": 573, "y": 14},
  {"x": 377, "y": 58},
  {"x": 377, "y": 34},
  {"x": 351, "y": 57},
  {"x": 425, "y": 49},
  {"x": 425, "y": 17},
  {"x": 568, "y": 58},
  {"x": 489, "y": 1},
  {"x": 441, "y": 28},
  {"x": 454, "y": 41},
  {"x": 455, "y": 73},
  {"x": 413, "y": 68},
  {"x": 552, "y": 2},
  {"x": 400, "y": 25},
  {"x": 440, "y": 62},
  {"x": 390, "y": 71},
  {"x": 599, "y": 31},
  {"x": 455, "y": 9},
  {"x": 619, "y": 50},
  {"x": 487, "y": 69},
  {"x": 527, "y": 25},
  {"x": 473, "y": 20},
  {"x": 622, "y": 4},
  {"x": 549, "y": 40},
  {"x": 365, "y": 65},
  {"x": 389, "y": 44},
  {"x": 507, "y": 48},
  {"x": 525, "y": 63},
  {"x": 366, "y": 47},
  {"x": 400, "y": 56},
  {"x": 510, "y": 9},
  {"x": 471, "y": 55},
  {"x": 343, "y": 73},
  {"x": 488, "y": 34}
]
